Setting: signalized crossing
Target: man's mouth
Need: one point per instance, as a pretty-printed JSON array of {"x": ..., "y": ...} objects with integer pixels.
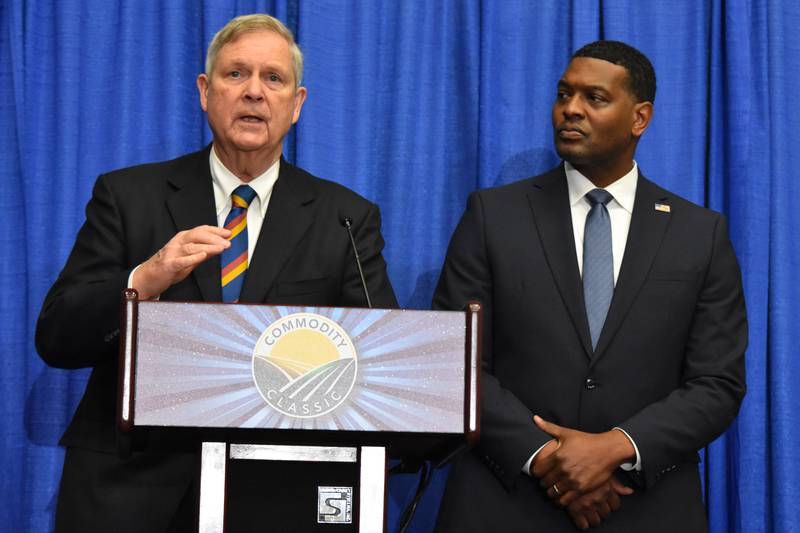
[
  {"x": 570, "y": 133},
  {"x": 251, "y": 119}
]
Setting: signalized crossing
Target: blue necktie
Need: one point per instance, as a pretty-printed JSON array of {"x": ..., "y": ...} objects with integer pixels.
[
  {"x": 598, "y": 262},
  {"x": 234, "y": 259}
]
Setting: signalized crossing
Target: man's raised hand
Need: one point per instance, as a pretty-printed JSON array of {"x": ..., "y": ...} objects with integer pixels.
[{"x": 176, "y": 260}]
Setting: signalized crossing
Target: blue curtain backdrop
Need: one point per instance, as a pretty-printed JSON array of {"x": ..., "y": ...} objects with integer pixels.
[{"x": 414, "y": 104}]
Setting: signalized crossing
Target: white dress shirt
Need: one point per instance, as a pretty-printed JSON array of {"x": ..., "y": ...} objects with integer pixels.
[
  {"x": 225, "y": 182},
  {"x": 620, "y": 210}
]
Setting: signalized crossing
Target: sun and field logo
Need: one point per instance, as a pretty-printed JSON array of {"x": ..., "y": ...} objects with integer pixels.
[{"x": 304, "y": 365}]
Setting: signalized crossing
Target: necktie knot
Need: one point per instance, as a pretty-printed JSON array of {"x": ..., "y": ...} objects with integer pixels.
[
  {"x": 598, "y": 196},
  {"x": 242, "y": 196}
]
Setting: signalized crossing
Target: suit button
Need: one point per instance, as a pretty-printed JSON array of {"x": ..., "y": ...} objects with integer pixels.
[{"x": 591, "y": 383}]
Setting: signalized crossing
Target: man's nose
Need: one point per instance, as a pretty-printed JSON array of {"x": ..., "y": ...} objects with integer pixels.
[
  {"x": 572, "y": 107},
  {"x": 253, "y": 89}
]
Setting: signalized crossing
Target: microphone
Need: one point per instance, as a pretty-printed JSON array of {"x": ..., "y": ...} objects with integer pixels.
[{"x": 347, "y": 222}]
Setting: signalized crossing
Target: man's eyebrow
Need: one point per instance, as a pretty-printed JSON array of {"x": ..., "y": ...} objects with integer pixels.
[
  {"x": 235, "y": 63},
  {"x": 602, "y": 88}
]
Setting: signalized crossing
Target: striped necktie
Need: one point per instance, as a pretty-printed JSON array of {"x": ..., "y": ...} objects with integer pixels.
[
  {"x": 234, "y": 259},
  {"x": 598, "y": 262}
]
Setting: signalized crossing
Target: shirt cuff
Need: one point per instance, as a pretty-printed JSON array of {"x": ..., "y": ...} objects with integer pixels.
[
  {"x": 130, "y": 277},
  {"x": 526, "y": 468},
  {"x": 130, "y": 282},
  {"x": 631, "y": 466}
]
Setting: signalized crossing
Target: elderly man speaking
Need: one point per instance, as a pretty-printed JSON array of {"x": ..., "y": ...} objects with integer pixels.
[{"x": 233, "y": 222}]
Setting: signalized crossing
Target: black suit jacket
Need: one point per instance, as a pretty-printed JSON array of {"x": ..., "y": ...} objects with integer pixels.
[
  {"x": 303, "y": 256},
  {"x": 668, "y": 368}
]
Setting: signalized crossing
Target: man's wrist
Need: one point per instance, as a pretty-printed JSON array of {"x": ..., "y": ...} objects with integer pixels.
[
  {"x": 528, "y": 466},
  {"x": 624, "y": 450},
  {"x": 636, "y": 462},
  {"x": 138, "y": 280}
]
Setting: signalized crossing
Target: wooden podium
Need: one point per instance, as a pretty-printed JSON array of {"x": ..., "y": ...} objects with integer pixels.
[{"x": 301, "y": 385}]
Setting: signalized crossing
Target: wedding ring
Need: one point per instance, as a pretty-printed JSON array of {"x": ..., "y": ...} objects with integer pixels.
[{"x": 555, "y": 489}]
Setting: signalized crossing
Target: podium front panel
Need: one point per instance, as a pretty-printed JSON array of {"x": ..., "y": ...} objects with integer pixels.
[{"x": 299, "y": 368}]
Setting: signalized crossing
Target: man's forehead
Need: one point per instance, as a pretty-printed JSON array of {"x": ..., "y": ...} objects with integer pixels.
[
  {"x": 593, "y": 71},
  {"x": 260, "y": 40}
]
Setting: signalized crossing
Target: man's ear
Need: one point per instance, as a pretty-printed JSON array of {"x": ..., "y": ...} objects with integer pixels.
[
  {"x": 299, "y": 98},
  {"x": 202, "y": 88},
  {"x": 642, "y": 114}
]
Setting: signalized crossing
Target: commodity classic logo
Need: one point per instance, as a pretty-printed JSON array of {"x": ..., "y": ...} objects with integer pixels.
[{"x": 304, "y": 365}]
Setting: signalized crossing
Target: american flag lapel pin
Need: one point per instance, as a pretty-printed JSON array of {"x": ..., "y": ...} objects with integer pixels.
[{"x": 664, "y": 208}]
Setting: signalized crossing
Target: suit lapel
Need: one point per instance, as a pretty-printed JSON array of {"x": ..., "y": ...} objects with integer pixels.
[
  {"x": 646, "y": 233},
  {"x": 289, "y": 214},
  {"x": 549, "y": 201},
  {"x": 192, "y": 205}
]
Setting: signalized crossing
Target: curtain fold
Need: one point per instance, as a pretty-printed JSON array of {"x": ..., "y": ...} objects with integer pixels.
[{"x": 414, "y": 105}]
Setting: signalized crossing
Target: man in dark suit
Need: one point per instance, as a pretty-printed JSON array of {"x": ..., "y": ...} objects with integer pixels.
[
  {"x": 614, "y": 327},
  {"x": 161, "y": 229}
]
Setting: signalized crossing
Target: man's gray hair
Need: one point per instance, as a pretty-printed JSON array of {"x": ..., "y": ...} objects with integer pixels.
[{"x": 250, "y": 23}]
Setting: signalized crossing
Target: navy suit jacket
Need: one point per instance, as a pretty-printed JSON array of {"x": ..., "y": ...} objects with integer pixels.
[{"x": 668, "y": 367}]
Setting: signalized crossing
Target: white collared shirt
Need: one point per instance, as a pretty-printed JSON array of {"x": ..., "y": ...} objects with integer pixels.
[
  {"x": 620, "y": 209},
  {"x": 226, "y": 181}
]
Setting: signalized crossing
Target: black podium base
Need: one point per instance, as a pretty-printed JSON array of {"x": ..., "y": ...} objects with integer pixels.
[
  {"x": 246, "y": 488},
  {"x": 291, "y": 496}
]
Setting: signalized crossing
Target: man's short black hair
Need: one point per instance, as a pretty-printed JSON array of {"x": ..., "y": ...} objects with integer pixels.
[{"x": 641, "y": 75}]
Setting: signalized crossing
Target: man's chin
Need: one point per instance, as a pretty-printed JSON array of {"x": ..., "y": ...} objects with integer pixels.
[
  {"x": 573, "y": 154},
  {"x": 251, "y": 145}
]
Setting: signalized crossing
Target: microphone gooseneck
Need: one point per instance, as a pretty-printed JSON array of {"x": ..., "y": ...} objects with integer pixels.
[{"x": 347, "y": 222}]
